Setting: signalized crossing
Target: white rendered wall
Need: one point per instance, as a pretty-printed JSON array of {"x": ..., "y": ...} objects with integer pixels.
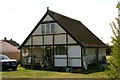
[
  {"x": 58, "y": 29},
  {"x": 48, "y": 18},
  {"x": 37, "y": 40},
  {"x": 28, "y": 41},
  {"x": 60, "y": 60},
  {"x": 90, "y": 56},
  {"x": 71, "y": 40},
  {"x": 60, "y": 39},
  {"x": 48, "y": 39},
  {"x": 37, "y": 31},
  {"x": 74, "y": 55}
]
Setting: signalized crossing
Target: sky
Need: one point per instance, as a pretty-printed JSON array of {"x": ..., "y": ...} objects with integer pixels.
[{"x": 19, "y": 17}]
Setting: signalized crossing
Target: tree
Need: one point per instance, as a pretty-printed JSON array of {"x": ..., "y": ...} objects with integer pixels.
[
  {"x": 114, "y": 67},
  {"x": 118, "y": 5}
]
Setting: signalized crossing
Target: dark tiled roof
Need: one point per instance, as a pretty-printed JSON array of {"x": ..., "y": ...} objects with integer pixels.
[
  {"x": 77, "y": 30},
  {"x": 14, "y": 43}
]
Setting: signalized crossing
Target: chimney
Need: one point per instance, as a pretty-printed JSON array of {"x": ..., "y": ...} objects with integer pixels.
[
  {"x": 5, "y": 38},
  {"x": 10, "y": 39},
  {"x": 47, "y": 8}
]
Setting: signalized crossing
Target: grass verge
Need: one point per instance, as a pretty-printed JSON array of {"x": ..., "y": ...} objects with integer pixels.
[{"x": 23, "y": 73}]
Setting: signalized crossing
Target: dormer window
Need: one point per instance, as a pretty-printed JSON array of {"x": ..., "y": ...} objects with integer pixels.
[{"x": 48, "y": 28}]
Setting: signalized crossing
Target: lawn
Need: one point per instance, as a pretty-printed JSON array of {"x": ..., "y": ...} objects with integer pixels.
[
  {"x": 26, "y": 73},
  {"x": 23, "y": 73}
]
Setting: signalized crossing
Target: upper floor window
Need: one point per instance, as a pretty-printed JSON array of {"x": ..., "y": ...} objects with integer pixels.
[
  {"x": 52, "y": 28},
  {"x": 48, "y": 28},
  {"x": 43, "y": 29}
]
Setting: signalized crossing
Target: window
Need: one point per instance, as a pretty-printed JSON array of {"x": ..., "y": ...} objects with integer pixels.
[
  {"x": 43, "y": 29},
  {"x": 60, "y": 50},
  {"x": 84, "y": 52},
  {"x": 52, "y": 28},
  {"x": 48, "y": 28}
]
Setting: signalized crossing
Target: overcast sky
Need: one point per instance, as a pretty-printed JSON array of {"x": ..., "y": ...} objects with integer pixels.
[{"x": 19, "y": 17}]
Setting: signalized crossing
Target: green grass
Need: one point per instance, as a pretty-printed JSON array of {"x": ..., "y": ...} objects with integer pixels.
[
  {"x": 23, "y": 73},
  {"x": 26, "y": 73}
]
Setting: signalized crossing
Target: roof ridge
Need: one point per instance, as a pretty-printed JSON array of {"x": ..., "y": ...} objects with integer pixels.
[
  {"x": 63, "y": 15},
  {"x": 75, "y": 28},
  {"x": 77, "y": 24}
]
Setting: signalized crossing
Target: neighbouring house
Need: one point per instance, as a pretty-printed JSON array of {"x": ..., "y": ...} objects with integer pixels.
[
  {"x": 9, "y": 50},
  {"x": 60, "y": 41},
  {"x": 12, "y": 42}
]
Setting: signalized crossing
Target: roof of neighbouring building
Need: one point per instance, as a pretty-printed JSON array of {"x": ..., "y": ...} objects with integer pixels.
[
  {"x": 7, "y": 47},
  {"x": 12, "y": 42}
]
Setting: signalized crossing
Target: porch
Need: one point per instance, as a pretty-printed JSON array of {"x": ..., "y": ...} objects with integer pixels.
[{"x": 54, "y": 56}]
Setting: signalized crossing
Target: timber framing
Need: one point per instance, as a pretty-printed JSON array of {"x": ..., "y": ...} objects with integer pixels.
[
  {"x": 91, "y": 41},
  {"x": 82, "y": 38}
]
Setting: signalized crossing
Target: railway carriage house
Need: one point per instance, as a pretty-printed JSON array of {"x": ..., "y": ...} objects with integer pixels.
[{"x": 60, "y": 41}]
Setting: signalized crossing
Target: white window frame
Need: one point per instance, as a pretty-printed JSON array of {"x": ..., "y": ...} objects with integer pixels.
[
  {"x": 48, "y": 29},
  {"x": 51, "y": 28},
  {"x": 60, "y": 50},
  {"x": 43, "y": 28}
]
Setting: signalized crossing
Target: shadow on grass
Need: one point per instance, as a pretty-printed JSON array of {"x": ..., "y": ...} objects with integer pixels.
[
  {"x": 52, "y": 69},
  {"x": 89, "y": 71},
  {"x": 76, "y": 71},
  {"x": 8, "y": 70}
]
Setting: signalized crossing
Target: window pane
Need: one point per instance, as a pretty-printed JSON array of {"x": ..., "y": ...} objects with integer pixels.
[
  {"x": 52, "y": 28},
  {"x": 60, "y": 50},
  {"x": 43, "y": 29},
  {"x": 47, "y": 28},
  {"x": 57, "y": 51}
]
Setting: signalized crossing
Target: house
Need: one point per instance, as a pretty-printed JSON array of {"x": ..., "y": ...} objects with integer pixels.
[
  {"x": 9, "y": 50},
  {"x": 60, "y": 41},
  {"x": 12, "y": 42}
]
